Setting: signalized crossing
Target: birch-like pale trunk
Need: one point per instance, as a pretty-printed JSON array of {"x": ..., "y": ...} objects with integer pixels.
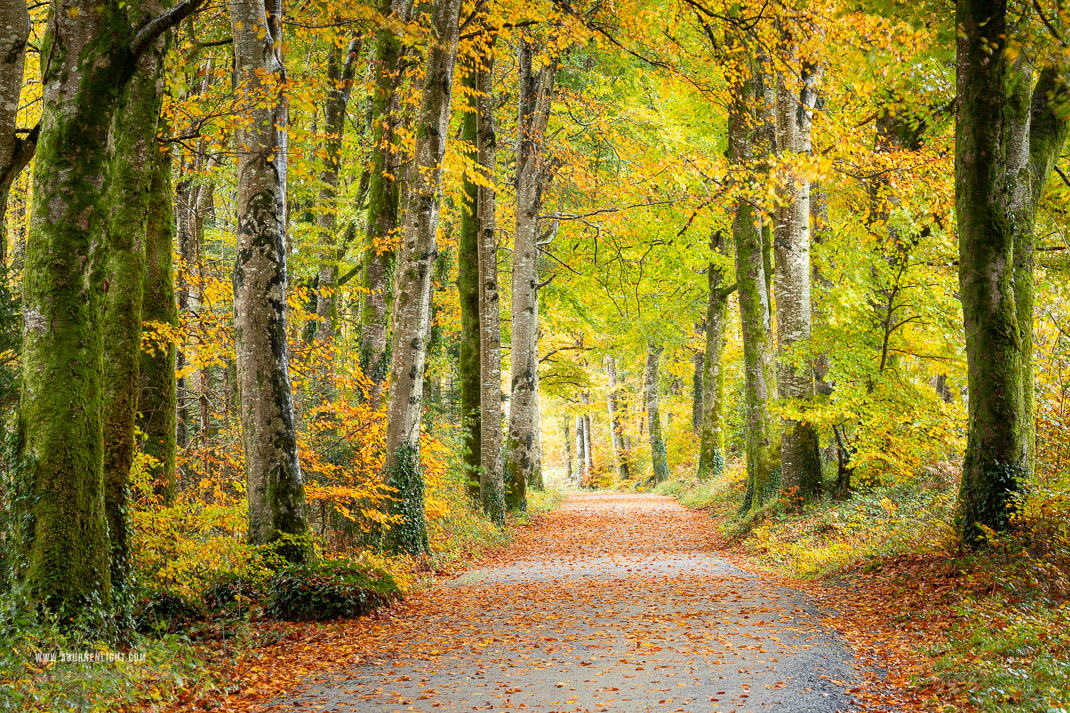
[
  {"x": 616, "y": 430},
  {"x": 412, "y": 299},
  {"x": 272, "y": 468},
  {"x": 799, "y": 457},
  {"x": 583, "y": 472},
  {"x": 384, "y": 198},
  {"x": 749, "y": 146},
  {"x": 711, "y": 443},
  {"x": 588, "y": 438},
  {"x": 492, "y": 468},
  {"x": 568, "y": 454},
  {"x": 658, "y": 451},
  {"x": 535, "y": 100}
]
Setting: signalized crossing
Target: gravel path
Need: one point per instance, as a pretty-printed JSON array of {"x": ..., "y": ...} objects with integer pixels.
[{"x": 613, "y": 603}]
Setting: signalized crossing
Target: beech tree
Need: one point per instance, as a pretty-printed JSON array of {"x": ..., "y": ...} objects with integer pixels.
[
  {"x": 413, "y": 285},
  {"x": 1008, "y": 135}
]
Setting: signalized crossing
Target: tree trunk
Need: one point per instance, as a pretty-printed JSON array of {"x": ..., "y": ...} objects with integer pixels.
[
  {"x": 535, "y": 100},
  {"x": 340, "y": 71},
  {"x": 711, "y": 444},
  {"x": 157, "y": 404},
  {"x": 658, "y": 451},
  {"x": 820, "y": 236},
  {"x": 588, "y": 438},
  {"x": 468, "y": 360},
  {"x": 133, "y": 160},
  {"x": 583, "y": 471},
  {"x": 64, "y": 292},
  {"x": 748, "y": 142},
  {"x": 697, "y": 359},
  {"x": 413, "y": 283},
  {"x": 616, "y": 432},
  {"x": 800, "y": 460},
  {"x": 275, "y": 489},
  {"x": 15, "y": 152},
  {"x": 1005, "y": 146},
  {"x": 492, "y": 469},
  {"x": 383, "y": 199},
  {"x": 535, "y": 473}
]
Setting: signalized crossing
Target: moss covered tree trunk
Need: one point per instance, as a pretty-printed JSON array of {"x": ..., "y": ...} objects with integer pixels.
[
  {"x": 535, "y": 100},
  {"x": 272, "y": 468},
  {"x": 1007, "y": 139},
  {"x": 134, "y": 158},
  {"x": 658, "y": 451},
  {"x": 616, "y": 430},
  {"x": 800, "y": 460},
  {"x": 157, "y": 400},
  {"x": 413, "y": 282},
  {"x": 92, "y": 53},
  {"x": 468, "y": 360},
  {"x": 711, "y": 442},
  {"x": 492, "y": 467},
  {"x": 383, "y": 197},
  {"x": 748, "y": 151}
]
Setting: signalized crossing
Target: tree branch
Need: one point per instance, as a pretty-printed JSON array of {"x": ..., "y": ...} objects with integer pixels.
[{"x": 161, "y": 24}]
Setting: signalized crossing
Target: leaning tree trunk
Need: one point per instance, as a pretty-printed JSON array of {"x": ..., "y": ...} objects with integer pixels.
[
  {"x": 616, "y": 431},
  {"x": 157, "y": 402},
  {"x": 15, "y": 151},
  {"x": 340, "y": 73},
  {"x": 383, "y": 199},
  {"x": 272, "y": 468},
  {"x": 133, "y": 162},
  {"x": 492, "y": 469},
  {"x": 468, "y": 359},
  {"x": 413, "y": 282},
  {"x": 658, "y": 451},
  {"x": 711, "y": 443},
  {"x": 535, "y": 98},
  {"x": 799, "y": 456},
  {"x": 1005, "y": 147},
  {"x": 748, "y": 149}
]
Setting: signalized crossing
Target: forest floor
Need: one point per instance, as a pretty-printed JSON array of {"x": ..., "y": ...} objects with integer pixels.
[{"x": 614, "y": 602}]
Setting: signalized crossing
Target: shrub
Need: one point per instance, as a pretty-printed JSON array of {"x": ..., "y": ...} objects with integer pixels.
[
  {"x": 329, "y": 589},
  {"x": 165, "y": 611},
  {"x": 228, "y": 590}
]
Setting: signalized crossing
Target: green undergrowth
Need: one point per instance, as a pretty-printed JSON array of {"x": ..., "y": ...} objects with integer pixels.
[{"x": 1009, "y": 644}]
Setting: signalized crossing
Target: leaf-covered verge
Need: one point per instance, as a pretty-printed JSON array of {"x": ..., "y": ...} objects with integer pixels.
[
  {"x": 195, "y": 629},
  {"x": 984, "y": 631}
]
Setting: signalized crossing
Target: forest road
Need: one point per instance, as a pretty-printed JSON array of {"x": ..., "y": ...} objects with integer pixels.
[{"x": 612, "y": 603}]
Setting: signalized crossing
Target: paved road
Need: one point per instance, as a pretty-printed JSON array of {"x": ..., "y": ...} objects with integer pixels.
[{"x": 614, "y": 603}]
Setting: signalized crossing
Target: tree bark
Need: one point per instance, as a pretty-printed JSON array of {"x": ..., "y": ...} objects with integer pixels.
[
  {"x": 658, "y": 452},
  {"x": 413, "y": 283},
  {"x": 157, "y": 401},
  {"x": 340, "y": 71},
  {"x": 535, "y": 100},
  {"x": 583, "y": 470},
  {"x": 273, "y": 471},
  {"x": 568, "y": 454},
  {"x": 1006, "y": 142},
  {"x": 468, "y": 360},
  {"x": 800, "y": 461},
  {"x": 492, "y": 468},
  {"x": 697, "y": 360},
  {"x": 711, "y": 443},
  {"x": 748, "y": 150},
  {"x": 15, "y": 151},
  {"x": 133, "y": 159},
  {"x": 383, "y": 199},
  {"x": 616, "y": 431},
  {"x": 64, "y": 291}
]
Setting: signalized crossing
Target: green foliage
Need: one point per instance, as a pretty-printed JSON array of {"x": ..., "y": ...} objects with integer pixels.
[
  {"x": 163, "y": 611},
  {"x": 229, "y": 592},
  {"x": 329, "y": 589}
]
